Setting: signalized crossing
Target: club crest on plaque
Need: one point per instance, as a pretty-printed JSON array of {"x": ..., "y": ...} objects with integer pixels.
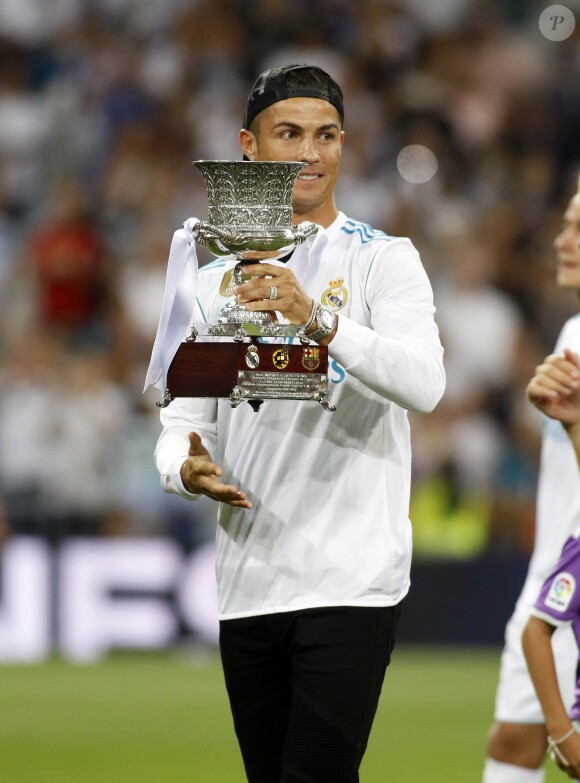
[
  {"x": 252, "y": 357},
  {"x": 281, "y": 358},
  {"x": 311, "y": 357}
]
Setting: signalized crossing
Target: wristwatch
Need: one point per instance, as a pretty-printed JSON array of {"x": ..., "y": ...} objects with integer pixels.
[{"x": 326, "y": 321}]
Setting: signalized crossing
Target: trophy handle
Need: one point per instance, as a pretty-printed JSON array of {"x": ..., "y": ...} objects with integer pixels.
[
  {"x": 165, "y": 400},
  {"x": 204, "y": 232},
  {"x": 303, "y": 230},
  {"x": 238, "y": 275}
]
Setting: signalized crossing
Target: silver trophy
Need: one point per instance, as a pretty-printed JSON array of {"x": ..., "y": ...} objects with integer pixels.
[{"x": 250, "y": 218}]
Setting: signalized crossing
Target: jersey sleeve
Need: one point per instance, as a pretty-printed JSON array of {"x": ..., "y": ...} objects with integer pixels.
[
  {"x": 559, "y": 600},
  {"x": 182, "y": 416},
  {"x": 187, "y": 414},
  {"x": 400, "y": 356}
]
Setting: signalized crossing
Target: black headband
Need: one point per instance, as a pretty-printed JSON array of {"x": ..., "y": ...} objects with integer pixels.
[{"x": 292, "y": 81}]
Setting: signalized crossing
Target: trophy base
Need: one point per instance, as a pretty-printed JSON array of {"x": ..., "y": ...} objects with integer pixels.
[{"x": 249, "y": 372}]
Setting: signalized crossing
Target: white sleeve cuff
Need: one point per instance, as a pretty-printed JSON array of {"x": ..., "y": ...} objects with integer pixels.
[
  {"x": 171, "y": 481},
  {"x": 548, "y": 618}
]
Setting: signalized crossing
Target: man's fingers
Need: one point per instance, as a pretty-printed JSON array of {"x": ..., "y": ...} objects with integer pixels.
[
  {"x": 558, "y": 363},
  {"x": 225, "y": 493},
  {"x": 194, "y": 442},
  {"x": 260, "y": 292},
  {"x": 572, "y": 357},
  {"x": 201, "y": 476},
  {"x": 274, "y": 290},
  {"x": 263, "y": 270},
  {"x": 549, "y": 387},
  {"x": 211, "y": 483},
  {"x": 201, "y": 466},
  {"x": 555, "y": 376},
  {"x": 196, "y": 448}
]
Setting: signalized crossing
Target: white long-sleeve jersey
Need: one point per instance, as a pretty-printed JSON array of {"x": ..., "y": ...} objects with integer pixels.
[{"x": 329, "y": 522}]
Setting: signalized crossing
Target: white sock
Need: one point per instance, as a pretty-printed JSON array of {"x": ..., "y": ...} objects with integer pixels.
[{"x": 498, "y": 772}]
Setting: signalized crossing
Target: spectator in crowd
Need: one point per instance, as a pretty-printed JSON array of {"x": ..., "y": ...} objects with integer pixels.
[{"x": 68, "y": 265}]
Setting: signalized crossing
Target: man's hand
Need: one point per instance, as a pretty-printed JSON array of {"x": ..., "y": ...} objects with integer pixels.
[
  {"x": 555, "y": 388},
  {"x": 291, "y": 300},
  {"x": 201, "y": 476}
]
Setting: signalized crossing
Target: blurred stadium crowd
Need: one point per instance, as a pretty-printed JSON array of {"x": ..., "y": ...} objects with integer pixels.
[{"x": 462, "y": 127}]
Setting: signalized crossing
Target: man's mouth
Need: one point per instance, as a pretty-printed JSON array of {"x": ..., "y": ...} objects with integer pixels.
[
  {"x": 568, "y": 262},
  {"x": 308, "y": 177},
  {"x": 567, "y": 266}
]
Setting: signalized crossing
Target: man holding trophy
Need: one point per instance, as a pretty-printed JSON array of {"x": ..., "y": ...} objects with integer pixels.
[{"x": 313, "y": 534}]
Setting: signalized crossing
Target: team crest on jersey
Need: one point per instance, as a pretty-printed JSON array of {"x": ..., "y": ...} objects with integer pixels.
[
  {"x": 310, "y": 358},
  {"x": 227, "y": 285},
  {"x": 336, "y": 295},
  {"x": 281, "y": 358},
  {"x": 561, "y": 591}
]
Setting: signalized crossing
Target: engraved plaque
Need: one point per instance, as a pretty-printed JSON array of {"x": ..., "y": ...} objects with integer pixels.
[{"x": 281, "y": 385}]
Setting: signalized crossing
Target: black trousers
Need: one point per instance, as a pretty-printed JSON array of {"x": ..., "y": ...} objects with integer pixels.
[{"x": 304, "y": 688}]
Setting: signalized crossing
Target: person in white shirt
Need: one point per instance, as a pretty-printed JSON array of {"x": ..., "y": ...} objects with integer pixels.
[
  {"x": 555, "y": 390},
  {"x": 517, "y": 741},
  {"x": 313, "y": 535}
]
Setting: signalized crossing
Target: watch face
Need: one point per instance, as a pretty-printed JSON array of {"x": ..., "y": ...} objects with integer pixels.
[{"x": 327, "y": 318}]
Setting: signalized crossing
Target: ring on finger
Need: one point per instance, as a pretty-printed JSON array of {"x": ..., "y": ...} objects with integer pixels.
[{"x": 273, "y": 292}]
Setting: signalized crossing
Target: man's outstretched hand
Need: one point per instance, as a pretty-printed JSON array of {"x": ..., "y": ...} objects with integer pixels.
[{"x": 201, "y": 476}]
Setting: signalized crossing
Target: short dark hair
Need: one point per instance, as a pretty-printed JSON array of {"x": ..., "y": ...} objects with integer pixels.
[{"x": 296, "y": 80}]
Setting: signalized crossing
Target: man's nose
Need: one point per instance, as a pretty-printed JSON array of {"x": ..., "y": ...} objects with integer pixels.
[
  {"x": 563, "y": 238},
  {"x": 309, "y": 150}
]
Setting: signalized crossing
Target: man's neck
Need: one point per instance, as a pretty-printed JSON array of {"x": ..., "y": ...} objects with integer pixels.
[{"x": 324, "y": 218}]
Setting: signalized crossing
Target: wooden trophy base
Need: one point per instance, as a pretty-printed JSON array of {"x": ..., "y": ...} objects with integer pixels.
[{"x": 241, "y": 371}]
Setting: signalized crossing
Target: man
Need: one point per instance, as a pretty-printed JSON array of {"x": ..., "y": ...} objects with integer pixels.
[
  {"x": 517, "y": 741},
  {"x": 313, "y": 536}
]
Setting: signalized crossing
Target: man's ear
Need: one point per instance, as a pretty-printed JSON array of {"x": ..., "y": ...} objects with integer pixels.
[{"x": 248, "y": 143}]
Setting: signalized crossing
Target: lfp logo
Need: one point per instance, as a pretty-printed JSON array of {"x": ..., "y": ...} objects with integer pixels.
[
  {"x": 557, "y": 22},
  {"x": 561, "y": 591}
]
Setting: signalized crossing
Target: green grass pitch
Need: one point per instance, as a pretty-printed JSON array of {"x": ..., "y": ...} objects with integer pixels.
[{"x": 165, "y": 719}]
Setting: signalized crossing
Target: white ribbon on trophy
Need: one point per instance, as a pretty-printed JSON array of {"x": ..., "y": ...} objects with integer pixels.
[{"x": 177, "y": 307}]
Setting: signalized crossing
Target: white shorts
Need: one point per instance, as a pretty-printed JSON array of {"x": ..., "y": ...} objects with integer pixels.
[{"x": 516, "y": 700}]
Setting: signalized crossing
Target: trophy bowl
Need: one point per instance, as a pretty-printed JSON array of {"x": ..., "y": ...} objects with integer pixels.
[
  {"x": 250, "y": 209},
  {"x": 250, "y": 217}
]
